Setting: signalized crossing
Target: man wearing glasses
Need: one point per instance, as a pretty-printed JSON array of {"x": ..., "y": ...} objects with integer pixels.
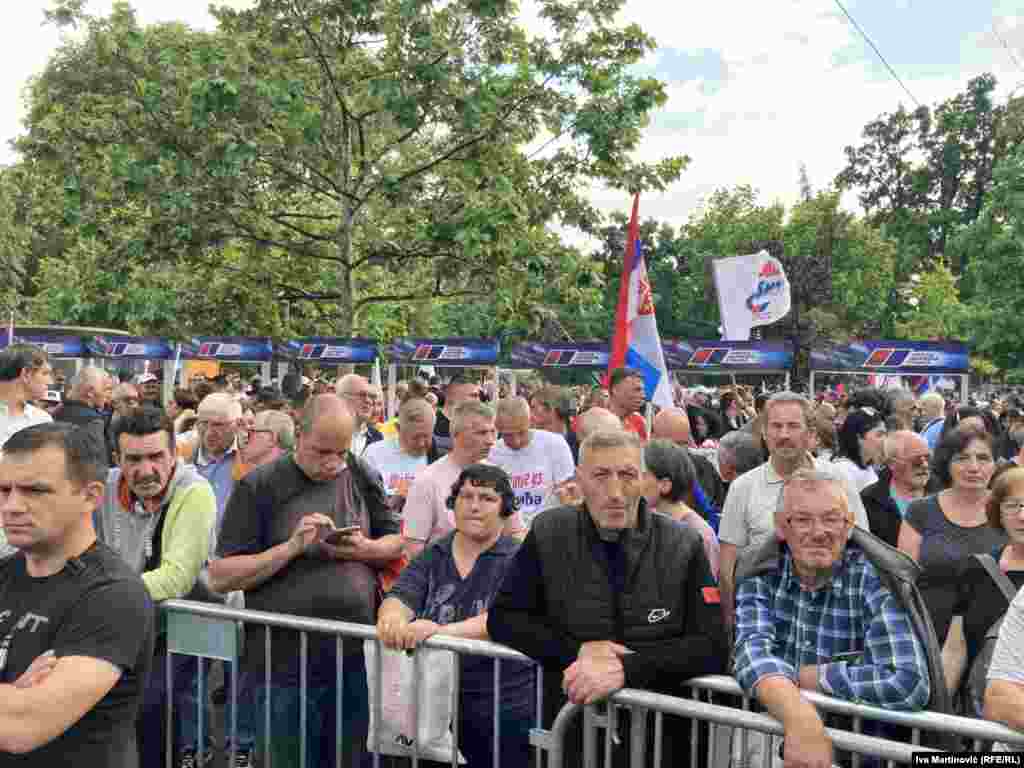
[
  {"x": 215, "y": 454},
  {"x": 358, "y": 393},
  {"x": 903, "y": 479},
  {"x": 271, "y": 436},
  {"x": 813, "y": 612}
]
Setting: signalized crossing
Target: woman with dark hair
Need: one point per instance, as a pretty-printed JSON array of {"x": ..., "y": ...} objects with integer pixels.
[
  {"x": 969, "y": 416},
  {"x": 730, "y": 412},
  {"x": 667, "y": 481},
  {"x": 980, "y": 602},
  {"x": 447, "y": 590},
  {"x": 859, "y": 446},
  {"x": 941, "y": 531}
]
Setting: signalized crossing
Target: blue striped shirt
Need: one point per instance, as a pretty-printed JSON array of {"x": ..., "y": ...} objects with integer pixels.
[{"x": 853, "y": 629}]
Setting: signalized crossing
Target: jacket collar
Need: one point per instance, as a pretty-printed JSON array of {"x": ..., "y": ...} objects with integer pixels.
[{"x": 888, "y": 559}]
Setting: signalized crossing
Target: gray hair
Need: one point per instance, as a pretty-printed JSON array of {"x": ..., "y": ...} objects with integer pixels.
[
  {"x": 743, "y": 449},
  {"x": 596, "y": 419},
  {"x": 792, "y": 397},
  {"x": 815, "y": 478},
  {"x": 89, "y": 376},
  {"x": 414, "y": 409},
  {"x": 932, "y": 404},
  {"x": 281, "y": 425},
  {"x": 470, "y": 409},
  {"x": 220, "y": 404},
  {"x": 513, "y": 408},
  {"x": 603, "y": 439}
]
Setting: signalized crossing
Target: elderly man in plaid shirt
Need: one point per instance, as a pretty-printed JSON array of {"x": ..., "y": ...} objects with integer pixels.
[{"x": 817, "y": 616}]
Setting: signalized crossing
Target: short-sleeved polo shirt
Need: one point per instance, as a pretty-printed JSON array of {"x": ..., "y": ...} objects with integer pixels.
[{"x": 749, "y": 514}]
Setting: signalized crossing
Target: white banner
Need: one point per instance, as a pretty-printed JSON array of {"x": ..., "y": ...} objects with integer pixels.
[{"x": 752, "y": 290}]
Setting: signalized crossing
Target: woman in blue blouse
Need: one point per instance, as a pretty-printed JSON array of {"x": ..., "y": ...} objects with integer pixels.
[{"x": 447, "y": 590}]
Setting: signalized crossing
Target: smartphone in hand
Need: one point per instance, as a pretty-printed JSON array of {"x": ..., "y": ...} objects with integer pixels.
[{"x": 338, "y": 535}]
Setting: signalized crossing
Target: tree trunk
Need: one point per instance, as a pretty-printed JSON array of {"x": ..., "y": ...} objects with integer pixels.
[{"x": 345, "y": 321}]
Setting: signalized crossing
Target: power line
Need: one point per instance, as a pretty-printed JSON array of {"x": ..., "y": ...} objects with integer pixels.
[
  {"x": 878, "y": 52},
  {"x": 1009, "y": 50}
]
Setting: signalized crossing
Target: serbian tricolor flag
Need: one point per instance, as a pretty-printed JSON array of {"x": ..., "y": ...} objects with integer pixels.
[{"x": 635, "y": 340}]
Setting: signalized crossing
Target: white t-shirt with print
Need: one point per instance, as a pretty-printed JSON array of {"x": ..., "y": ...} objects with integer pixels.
[
  {"x": 535, "y": 469},
  {"x": 397, "y": 468}
]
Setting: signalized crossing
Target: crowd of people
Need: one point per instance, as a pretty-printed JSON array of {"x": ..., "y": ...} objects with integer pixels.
[{"x": 855, "y": 547}]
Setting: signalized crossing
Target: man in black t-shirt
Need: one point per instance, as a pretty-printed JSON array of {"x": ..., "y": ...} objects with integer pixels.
[
  {"x": 276, "y": 545},
  {"x": 76, "y": 624}
]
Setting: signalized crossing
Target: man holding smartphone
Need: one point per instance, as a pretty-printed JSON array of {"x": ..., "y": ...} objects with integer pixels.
[{"x": 306, "y": 535}]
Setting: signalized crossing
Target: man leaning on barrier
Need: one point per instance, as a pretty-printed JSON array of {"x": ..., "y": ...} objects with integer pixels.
[
  {"x": 608, "y": 594},
  {"x": 447, "y": 591},
  {"x": 814, "y": 612},
  {"x": 275, "y": 545}
]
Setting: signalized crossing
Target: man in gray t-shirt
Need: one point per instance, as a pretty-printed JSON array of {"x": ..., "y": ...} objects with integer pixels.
[{"x": 279, "y": 544}]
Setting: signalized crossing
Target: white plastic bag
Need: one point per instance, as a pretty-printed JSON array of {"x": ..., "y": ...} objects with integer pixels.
[{"x": 398, "y": 669}]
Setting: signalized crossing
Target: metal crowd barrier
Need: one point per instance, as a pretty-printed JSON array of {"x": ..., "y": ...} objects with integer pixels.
[
  {"x": 965, "y": 728},
  {"x": 210, "y": 631},
  {"x": 642, "y": 703},
  {"x": 213, "y": 632}
]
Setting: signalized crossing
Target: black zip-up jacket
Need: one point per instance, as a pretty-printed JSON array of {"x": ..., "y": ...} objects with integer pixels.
[
  {"x": 883, "y": 514},
  {"x": 559, "y": 593}
]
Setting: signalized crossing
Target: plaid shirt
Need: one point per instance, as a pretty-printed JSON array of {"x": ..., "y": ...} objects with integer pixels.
[{"x": 853, "y": 629}]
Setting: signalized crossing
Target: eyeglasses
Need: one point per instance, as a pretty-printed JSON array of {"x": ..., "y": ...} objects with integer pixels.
[
  {"x": 1011, "y": 506},
  {"x": 250, "y": 432},
  {"x": 365, "y": 396},
  {"x": 832, "y": 524},
  {"x": 216, "y": 424}
]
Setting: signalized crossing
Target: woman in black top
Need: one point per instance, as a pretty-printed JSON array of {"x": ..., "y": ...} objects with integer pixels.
[
  {"x": 980, "y": 601},
  {"x": 941, "y": 532}
]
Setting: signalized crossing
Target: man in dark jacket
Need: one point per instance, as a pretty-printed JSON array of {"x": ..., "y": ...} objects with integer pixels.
[
  {"x": 607, "y": 595},
  {"x": 90, "y": 394},
  {"x": 88, "y": 399},
  {"x": 901, "y": 481}
]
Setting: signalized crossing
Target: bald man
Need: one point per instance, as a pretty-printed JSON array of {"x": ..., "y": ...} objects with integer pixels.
[
  {"x": 903, "y": 479},
  {"x": 674, "y": 425},
  {"x": 306, "y": 535},
  {"x": 592, "y": 420},
  {"x": 90, "y": 394},
  {"x": 360, "y": 395},
  {"x": 91, "y": 390},
  {"x": 536, "y": 460}
]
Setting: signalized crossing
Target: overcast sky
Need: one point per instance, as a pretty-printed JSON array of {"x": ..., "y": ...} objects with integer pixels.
[{"x": 755, "y": 88}]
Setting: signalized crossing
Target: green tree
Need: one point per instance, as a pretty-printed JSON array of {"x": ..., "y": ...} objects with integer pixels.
[
  {"x": 378, "y": 147},
  {"x": 936, "y": 311},
  {"x": 994, "y": 282},
  {"x": 923, "y": 174}
]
